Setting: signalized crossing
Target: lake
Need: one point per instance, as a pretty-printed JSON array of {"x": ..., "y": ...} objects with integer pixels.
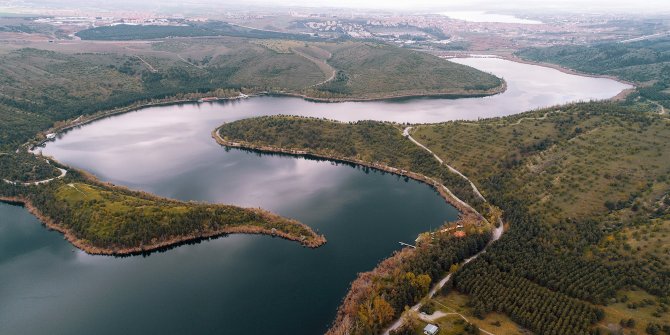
[
  {"x": 240, "y": 284},
  {"x": 482, "y": 16}
]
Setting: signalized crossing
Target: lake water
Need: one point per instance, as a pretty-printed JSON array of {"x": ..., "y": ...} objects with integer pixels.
[
  {"x": 481, "y": 16},
  {"x": 239, "y": 284}
]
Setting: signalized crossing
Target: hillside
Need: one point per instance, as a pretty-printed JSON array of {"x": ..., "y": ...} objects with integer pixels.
[
  {"x": 71, "y": 80},
  {"x": 575, "y": 183},
  {"x": 373, "y": 71},
  {"x": 581, "y": 187},
  {"x": 366, "y": 141}
]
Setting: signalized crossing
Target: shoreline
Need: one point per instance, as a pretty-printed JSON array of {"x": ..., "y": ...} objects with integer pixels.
[
  {"x": 517, "y": 59},
  {"x": 41, "y": 137},
  {"x": 560, "y": 68},
  {"x": 171, "y": 242},
  {"x": 463, "y": 208},
  {"x": 394, "y": 97},
  {"x": 35, "y": 142}
]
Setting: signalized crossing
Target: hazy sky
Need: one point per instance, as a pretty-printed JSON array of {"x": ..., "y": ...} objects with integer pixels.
[
  {"x": 654, "y": 6},
  {"x": 651, "y": 5}
]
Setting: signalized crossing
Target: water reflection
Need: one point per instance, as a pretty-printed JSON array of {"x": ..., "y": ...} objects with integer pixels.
[{"x": 239, "y": 284}]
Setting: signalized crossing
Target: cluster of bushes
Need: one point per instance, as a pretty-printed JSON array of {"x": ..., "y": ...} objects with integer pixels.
[
  {"x": 378, "y": 297},
  {"x": 25, "y": 167}
]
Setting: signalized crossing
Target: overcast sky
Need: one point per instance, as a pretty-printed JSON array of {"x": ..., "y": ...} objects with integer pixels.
[{"x": 653, "y": 6}]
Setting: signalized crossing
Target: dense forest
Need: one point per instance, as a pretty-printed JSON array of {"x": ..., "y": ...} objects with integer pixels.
[{"x": 24, "y": 167}]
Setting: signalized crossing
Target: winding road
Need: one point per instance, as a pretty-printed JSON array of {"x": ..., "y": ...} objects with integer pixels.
[
  {"x": 63, "y": 172},
  {"x": 322, "y": 64},
  {"x": 497, "y": 233}
]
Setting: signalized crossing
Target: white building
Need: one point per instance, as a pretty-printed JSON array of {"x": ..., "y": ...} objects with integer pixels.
[{"x": 431, "y": 329}]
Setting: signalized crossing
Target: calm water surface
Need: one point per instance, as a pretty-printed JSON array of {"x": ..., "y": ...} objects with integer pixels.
[
  {"x": 239, "y": 284},
  {"x": 481, "y": 16}
]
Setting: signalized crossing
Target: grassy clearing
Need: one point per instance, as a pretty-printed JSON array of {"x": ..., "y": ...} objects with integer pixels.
[
  {"x": 449, "y": 325},
  {"x": 649, "y": 240},
  {"x": 637, "y": 305},
  {"x": 455, "y": 302}
]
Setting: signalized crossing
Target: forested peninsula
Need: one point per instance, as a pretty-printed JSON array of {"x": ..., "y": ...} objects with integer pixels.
[
  {"x": 80, "y": 83},
  {"x": 579, "y": 186}
]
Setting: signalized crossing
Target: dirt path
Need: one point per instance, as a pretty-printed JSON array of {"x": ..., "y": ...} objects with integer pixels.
[
  {"x": 151, "y": 68},
  {"x": 440, "y": 314},
  {"x": 322, "y": 64},
  {"x": 187, "y": 62},
  {"x": 78, "y": 190},
  {"x": 474, "y": 188},
  {"x": 661, "y": 108},
  {"x": 497, "y": 233}
]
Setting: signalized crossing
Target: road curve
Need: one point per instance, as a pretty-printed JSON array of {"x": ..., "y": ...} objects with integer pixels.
[{"x": 63, "y": 172}]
